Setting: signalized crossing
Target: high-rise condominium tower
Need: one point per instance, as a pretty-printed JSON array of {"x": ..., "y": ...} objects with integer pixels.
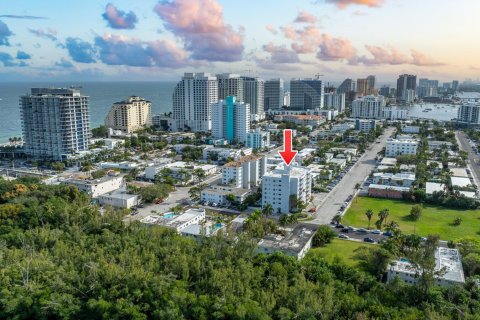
[
  {"x": 231, "y": 120},
  {"x": 193, "y": 98},
  {"x": 129, "y": 115},
  {"x": 55, "y": 122},
  {"x": 253, "y": 94},
  {"x": 306, "y": 94},
  {"x": 406, "y": 87},
  {"x": 273, "y": 98}
]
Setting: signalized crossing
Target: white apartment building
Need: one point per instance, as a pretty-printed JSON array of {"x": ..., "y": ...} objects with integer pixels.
[
  {"x": 218, "y": 194},
  {"x": 231, "y": 120},
  {"x": 394, "y": 113},
  {"x": 244, "y": 173},
  {"x": 334, "y": 101},
  {"x": 258, "y": 139},
  {"x": 212, "y": 153},
  {"x": 365, "y": 125},
  {"x": 119, "y": 200},
  {"x": 447, "y": 260},
  {"x": 176, "y": 222},
  {"x": 279, "y": 184},
  {"x": 129, "y": 115},
  {"x": 97, "y": 187},
  {"x": 370, "y": 107},
  {"x": 410, "y": 129},
  {"x": 469, "y": 113},
  {"x": 397, "y": 147},
  {"x": 55, "y": 123},
  {"x": 342, "y": 127},
  {"x": 193, "y": 98}
]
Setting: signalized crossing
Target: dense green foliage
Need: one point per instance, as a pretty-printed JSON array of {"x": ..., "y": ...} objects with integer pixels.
[{"x": 61, "y": 259}]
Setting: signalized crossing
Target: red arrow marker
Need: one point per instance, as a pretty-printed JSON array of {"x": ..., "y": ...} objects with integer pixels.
[{"x": 287, "y": 154}]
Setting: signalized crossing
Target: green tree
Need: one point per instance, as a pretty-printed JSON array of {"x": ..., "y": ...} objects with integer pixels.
[
  {"x": 323, "y": 236},
  {"x": 416, "y": 212}
]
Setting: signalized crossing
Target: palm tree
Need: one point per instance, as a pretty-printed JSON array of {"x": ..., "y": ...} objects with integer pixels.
[
  {"x": 378, "y": 224},
  {"x": 369, "y": 214},
  {"x": 267, "y": 210},
  {"x": 383, "y": 215},
  {"x": 199, "y": 173}
]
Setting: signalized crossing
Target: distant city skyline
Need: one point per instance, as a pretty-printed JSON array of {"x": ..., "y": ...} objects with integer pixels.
[{"x": 160, "y": 40}]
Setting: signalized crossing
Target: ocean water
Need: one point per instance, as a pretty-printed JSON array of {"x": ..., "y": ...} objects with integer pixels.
[{"x": 102, "y": 96}]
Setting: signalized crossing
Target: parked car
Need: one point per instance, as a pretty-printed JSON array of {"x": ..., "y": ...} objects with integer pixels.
[
  {"x": 343, "y": 236},
  {"x": 376, "y": 232},
  {"x": 367, "y": 239},
  {"x": 345, "y": 230},
  {"x": 362, "y": 230},
  {"x": 388, "y": 234},
  {"x": 312, "y": 210},
  {"x": 352, "y": 228},
  {"x": 339, "y": 226}
]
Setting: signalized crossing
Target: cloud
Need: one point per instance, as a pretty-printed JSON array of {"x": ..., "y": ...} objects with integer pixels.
[
  {"x": 22, "y": 55},
  {"x": 13, "y": 16},
  {"x": 80, "y": 51},
  {"x": 120, "y": 50},
  {"x": 421, "y": 59},
  {"x": 64, "y": 63},
  {"x": 4, "y": 34},
  {"x": 342, "y": 4},
  {"x": 200, "y": 24},
  {"x": 50, "y": 34},
  {"x": 281, "y": 54},
  {"x": 393, "y": 56},
  {"x": 305, "y": 40},
  {"x": 118, "y": 19},
  {"x": 271, "y": 29},
  {"x": 8, "y": 61},
  {"x": 334, "y": 49},
  {"x": 305, "y": 17}
]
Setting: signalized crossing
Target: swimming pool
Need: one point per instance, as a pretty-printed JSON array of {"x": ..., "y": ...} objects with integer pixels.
[{"x": 169, "y": 215}]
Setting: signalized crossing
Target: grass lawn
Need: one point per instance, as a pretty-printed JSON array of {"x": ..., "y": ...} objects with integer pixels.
[
  {"x": 344, "y": 249},
  {"x": 434, "y": 219}
]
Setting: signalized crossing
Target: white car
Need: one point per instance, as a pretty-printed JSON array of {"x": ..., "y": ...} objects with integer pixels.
[{"x": 343, "y": 236}]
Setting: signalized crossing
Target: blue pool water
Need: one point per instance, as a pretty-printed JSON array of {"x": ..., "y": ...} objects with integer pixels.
[{"x": 169, "y": 215}]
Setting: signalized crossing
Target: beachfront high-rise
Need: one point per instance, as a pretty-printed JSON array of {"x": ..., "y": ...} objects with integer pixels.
[
  {"x": 55, "y": 123},
  {"x": 273, "y": 97},
  {"x": 368, "y": 107},
  {"x": 306, "y": 94},
  {"x": 231, "y": 120},
  {"x": 230, "y": 84},
  {"x": 129, "y": 115},
  {"x": 193, "y": 98}
]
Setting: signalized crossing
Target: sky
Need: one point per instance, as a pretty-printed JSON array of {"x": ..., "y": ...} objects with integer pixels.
[{"x": 151, "y": 40}]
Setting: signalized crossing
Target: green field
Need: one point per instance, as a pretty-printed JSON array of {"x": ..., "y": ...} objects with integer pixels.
[
  {"x": 344, "y": 249},
  {"x": 434, "y": 219}
]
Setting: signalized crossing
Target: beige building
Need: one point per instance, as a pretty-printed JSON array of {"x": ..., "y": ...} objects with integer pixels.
[{"x": 129, "y": 115}]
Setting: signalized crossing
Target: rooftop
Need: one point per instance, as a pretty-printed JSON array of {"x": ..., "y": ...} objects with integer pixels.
[
  {"x": 294, "y": 241},
  {"x": 459, "y": 172},
  {"x": 382, "y": 187},
  {"x": 432, "y": 187},
  {"x": 242, "y": 160},
  {"x": 460, "y": 182}
]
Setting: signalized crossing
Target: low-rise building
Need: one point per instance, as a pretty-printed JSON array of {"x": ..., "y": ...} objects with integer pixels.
[
  {"x": 341, "y": 163},
  {"x": 410, "y": 129},
  {"x": 396, "y": 147},
  {"x": 295, "y": 243},
  {"x": 218, "y": 194},
  {"x": 119, "y": 200},
  {"x": 390, "y": 192},
  {"x": 222, "y": 154},
  {"x": 460, "y": 182},
  {"x": 342, "y": 127},
  {"x": 301, "y": 119},
  {"x": 180, "y": 171},
  {"x": 459, "y": 172},
  {"x": 404, "y": 179},
  {"x": 305, "y": 154},
  {"x": 448, "y": 263},
  {"x": 431, "y": 187},
  {"x": 123, "y": 165},
  {"x": 97, "y": 187},
  {"x": 258, "y": 139},
  {"x": 434, "y": 145},
  {"x": 176, "y": 221}
]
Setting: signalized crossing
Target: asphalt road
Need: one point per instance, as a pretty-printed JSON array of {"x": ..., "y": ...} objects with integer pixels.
[
  {"x": 473, "y": 158},
  {"x": 345, "y": 187}
]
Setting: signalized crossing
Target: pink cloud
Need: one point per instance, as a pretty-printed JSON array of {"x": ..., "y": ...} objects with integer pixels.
[
  {"x": 271, "y": 29},
  {"x": 305, "y": 17},
  {"x": 334, "y": 49},
  {"x": 201, "y": 25},
  {"x": 421, "y": 59},
  {"x": 118, "y": 19},
  {"x": 342, "y": 4},
  {"x": 305, "y": 40},
  {"x": 121, "y": 50}
]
